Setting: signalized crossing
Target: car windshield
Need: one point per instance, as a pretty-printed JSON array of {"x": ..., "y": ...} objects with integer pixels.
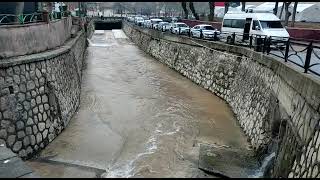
[
  {"x": 271, "y": 24},
  {"x": 182, "y": 25},
  {"x": 208, "y": 28},
  {"x": 139, "y": 19}
]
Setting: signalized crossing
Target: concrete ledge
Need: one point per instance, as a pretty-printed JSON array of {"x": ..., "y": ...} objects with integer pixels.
[
  {"x": 41, "y": 56},
  {"x": 26, "y": 39}
]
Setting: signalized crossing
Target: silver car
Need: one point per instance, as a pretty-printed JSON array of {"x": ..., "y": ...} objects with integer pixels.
[
  {"x": 155, "y": 22},
  {"x": 147, "y": 23},
  {"x": 163, "y": 26},
  {"x": 139, "y": 21},
  {"x": 204, "y": 31},
  {"x": 180, "y": 28}
]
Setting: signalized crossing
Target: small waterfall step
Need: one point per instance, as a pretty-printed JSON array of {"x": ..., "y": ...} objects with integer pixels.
[{"x": 224, "y": 161}]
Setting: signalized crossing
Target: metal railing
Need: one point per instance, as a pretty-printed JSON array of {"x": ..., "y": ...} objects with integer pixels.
[
  {"x": 109, "y": 18},
  {"x": 8, "y": 19},
  {"x": 12, "y": 19},
  {"x": 58, "y": 15},
  {"x": 299, "y": 52}
]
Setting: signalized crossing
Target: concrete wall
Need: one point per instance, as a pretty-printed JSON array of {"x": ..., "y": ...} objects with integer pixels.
[
  {"x": 39, "y": 94},
  {"x": 26, "y": 39},
  {"x": 277, "y": 106}
]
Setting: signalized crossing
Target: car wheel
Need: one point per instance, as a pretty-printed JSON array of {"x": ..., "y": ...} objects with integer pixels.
[
  {"x": 191, "y": 34},
  {"x": 229, "y": 39}
]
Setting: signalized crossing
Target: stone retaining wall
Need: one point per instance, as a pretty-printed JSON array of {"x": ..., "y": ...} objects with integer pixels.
[
  {"x": 39, "y": 94},
  {"x": 277, "y": 106}
]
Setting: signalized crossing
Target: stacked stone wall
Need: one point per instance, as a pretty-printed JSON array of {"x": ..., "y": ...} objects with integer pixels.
[
  {"x": 39, "y": 94},
  {"x": 274, "y": 103}
]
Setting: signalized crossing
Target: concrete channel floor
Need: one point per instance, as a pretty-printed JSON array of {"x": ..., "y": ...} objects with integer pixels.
[
  {"x": 137, "y": 118},
  {"x": 11, "y": 166}
]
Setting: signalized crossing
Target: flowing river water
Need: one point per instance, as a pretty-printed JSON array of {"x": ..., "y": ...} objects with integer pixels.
[{"x": 137, "y": 118}]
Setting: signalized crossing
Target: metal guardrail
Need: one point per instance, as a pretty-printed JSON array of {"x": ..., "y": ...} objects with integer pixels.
[
  {"x": 8, "y": 19},
  {"x": 303, "y": 54},
  {"x": 111, "y": 18},
  {"x": 58, "y": 15},
  {"x": 12, "y": 19},
  {"x": 299, "y": 52}
]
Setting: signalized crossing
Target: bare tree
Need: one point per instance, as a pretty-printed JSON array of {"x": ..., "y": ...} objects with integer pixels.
[
  {"x": 184, "y": 7},
  {"x": 191, "y": 6},
  {"x": 281, "y": 11},
  {"x": 287, "y": 15},
  {"x": 211, "y": 7},
  {"x": 294, "y": 13},
  {"x": 226, "y": 7},
  {"x": 275, "y": 10},
  {"x": 243, "y": 8}
]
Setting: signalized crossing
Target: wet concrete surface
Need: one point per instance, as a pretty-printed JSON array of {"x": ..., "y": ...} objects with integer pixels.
[{"x": 137, "y": 118}]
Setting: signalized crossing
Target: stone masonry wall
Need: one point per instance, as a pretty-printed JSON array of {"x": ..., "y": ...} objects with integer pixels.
[
  {"x": 274, "y": 104},
  {"x": 39, "y": 94}
]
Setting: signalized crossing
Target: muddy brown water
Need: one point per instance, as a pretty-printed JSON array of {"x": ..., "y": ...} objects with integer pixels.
[{"x": 137, "y": 118}]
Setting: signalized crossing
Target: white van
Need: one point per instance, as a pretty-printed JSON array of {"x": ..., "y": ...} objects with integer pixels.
[{"x": 250, "y": 23}]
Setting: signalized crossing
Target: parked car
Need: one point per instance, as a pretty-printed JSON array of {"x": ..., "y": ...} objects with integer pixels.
[
  {"x": 166, "y": 19},
  {"x": 204, "y": 31},
  {"x": 155, "y": 22},
  {"x": 131, "y": 19},
  {"x": 147, "y": 23},
  {"x": 139, "y": 21},
  {"x": 163, "y": 26},
  {"x": 180, "y": 28}
]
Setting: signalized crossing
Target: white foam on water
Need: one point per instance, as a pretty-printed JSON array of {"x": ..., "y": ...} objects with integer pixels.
[
  {"x": 158, "y": 131},
  {"x": 99, "y": 32},
  {"x": 127, "y": 169},
  {"x": 119, "y": 34},
  {"x": 98, "y": 44},
  {"x": 260, "y": 172}
]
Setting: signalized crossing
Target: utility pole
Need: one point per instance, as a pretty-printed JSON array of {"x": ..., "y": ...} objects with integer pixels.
[{"x": 79, "y": 6}]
